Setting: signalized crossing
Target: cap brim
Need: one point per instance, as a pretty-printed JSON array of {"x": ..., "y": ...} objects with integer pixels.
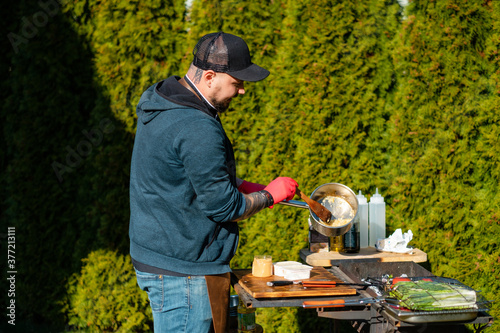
[{"x": 252, "y": 73}]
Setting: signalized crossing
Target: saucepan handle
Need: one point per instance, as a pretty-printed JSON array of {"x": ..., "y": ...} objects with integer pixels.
[{"x": 294, "y": 203}]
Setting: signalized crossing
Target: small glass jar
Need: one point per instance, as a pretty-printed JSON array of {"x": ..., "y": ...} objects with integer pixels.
[
  {"x": 262, "y": 265},
  {"x": 337, "y": 243}
]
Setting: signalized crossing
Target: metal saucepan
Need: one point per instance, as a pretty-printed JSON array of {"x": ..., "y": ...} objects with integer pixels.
[{"x": 338, "y": 199}]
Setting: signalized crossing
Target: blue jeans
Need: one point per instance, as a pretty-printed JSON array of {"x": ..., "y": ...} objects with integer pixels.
[{"x": 179, "y": 304}]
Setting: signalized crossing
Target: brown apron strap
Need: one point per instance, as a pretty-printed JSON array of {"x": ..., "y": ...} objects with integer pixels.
[{"x": 218, "y": 292}]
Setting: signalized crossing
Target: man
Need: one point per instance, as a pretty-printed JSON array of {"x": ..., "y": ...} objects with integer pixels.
[{"x": 185, "y": 198}]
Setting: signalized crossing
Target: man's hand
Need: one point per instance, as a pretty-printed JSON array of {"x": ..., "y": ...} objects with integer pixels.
[
  {"x": 265, "y": 196},
  {"x": 282, "y": 188}
]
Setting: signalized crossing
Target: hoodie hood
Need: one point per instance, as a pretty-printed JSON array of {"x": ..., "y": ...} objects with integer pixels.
[{"x": 166, "y": 95}]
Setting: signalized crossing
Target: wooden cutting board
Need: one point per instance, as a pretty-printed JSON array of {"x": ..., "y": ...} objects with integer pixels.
[
  {"x": 328, "y": 259},
  {"x": 257, "y": 286}
]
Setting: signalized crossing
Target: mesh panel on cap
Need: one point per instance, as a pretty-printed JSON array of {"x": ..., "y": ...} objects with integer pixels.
[{"x": 211, "y": 53}]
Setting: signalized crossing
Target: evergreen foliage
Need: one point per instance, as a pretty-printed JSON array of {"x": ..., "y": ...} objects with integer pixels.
[
  {"x": 50, "y": 102},
  {"x": 103, "y": 297},
  {"x": 359, "y": 94},
  {"x": 129, "y": 57},
  {"x": 444, "y": 137}
]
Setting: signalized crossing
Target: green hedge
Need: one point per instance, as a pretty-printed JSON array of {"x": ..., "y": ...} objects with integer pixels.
[
  {"x": 444, "y": 134},
  {"x": 104, "y": 296},
  {"x": 359, "y": 93}
]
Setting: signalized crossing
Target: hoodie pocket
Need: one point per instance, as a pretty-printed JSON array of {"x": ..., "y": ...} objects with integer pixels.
[
  {"x": 214, "y": 247},
  {"x": 223, "y": 244}
]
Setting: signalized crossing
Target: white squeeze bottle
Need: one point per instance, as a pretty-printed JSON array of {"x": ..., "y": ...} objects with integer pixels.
[
  {"x": 376, "y": 217},
  {"x": 363, "y": 220}
]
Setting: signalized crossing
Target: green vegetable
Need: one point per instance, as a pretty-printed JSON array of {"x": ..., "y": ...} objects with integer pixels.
[{"x": 432, "y": 295}]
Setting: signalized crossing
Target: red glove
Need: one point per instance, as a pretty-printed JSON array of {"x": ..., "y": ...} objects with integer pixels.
[
  {"x": 247, "y": 187},
  {"x": 282, "y": 188}
]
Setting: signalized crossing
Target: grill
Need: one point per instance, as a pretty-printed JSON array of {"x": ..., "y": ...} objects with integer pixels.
[
  {"x": 398, "y": 312},
  {"x": 376, "y": 308}
]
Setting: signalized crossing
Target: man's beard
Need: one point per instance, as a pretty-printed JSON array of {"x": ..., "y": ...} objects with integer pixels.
[{"x": 221, "y": 106}]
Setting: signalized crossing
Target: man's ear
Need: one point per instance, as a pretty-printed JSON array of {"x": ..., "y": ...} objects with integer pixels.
[{"x": 209, "y": 76}]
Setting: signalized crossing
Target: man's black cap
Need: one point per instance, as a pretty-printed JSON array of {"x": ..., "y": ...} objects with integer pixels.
[{"x": 226, "y": 53}]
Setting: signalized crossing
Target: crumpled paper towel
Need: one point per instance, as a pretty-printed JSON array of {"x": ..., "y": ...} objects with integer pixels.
[{"x": 397, "y": 242}]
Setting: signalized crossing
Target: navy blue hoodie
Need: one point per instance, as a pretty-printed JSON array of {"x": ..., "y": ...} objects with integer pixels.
[{"x": 183, "y": 193}]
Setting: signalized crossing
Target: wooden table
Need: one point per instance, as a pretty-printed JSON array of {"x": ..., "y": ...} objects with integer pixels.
[{"x": 327, "y": 259}]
